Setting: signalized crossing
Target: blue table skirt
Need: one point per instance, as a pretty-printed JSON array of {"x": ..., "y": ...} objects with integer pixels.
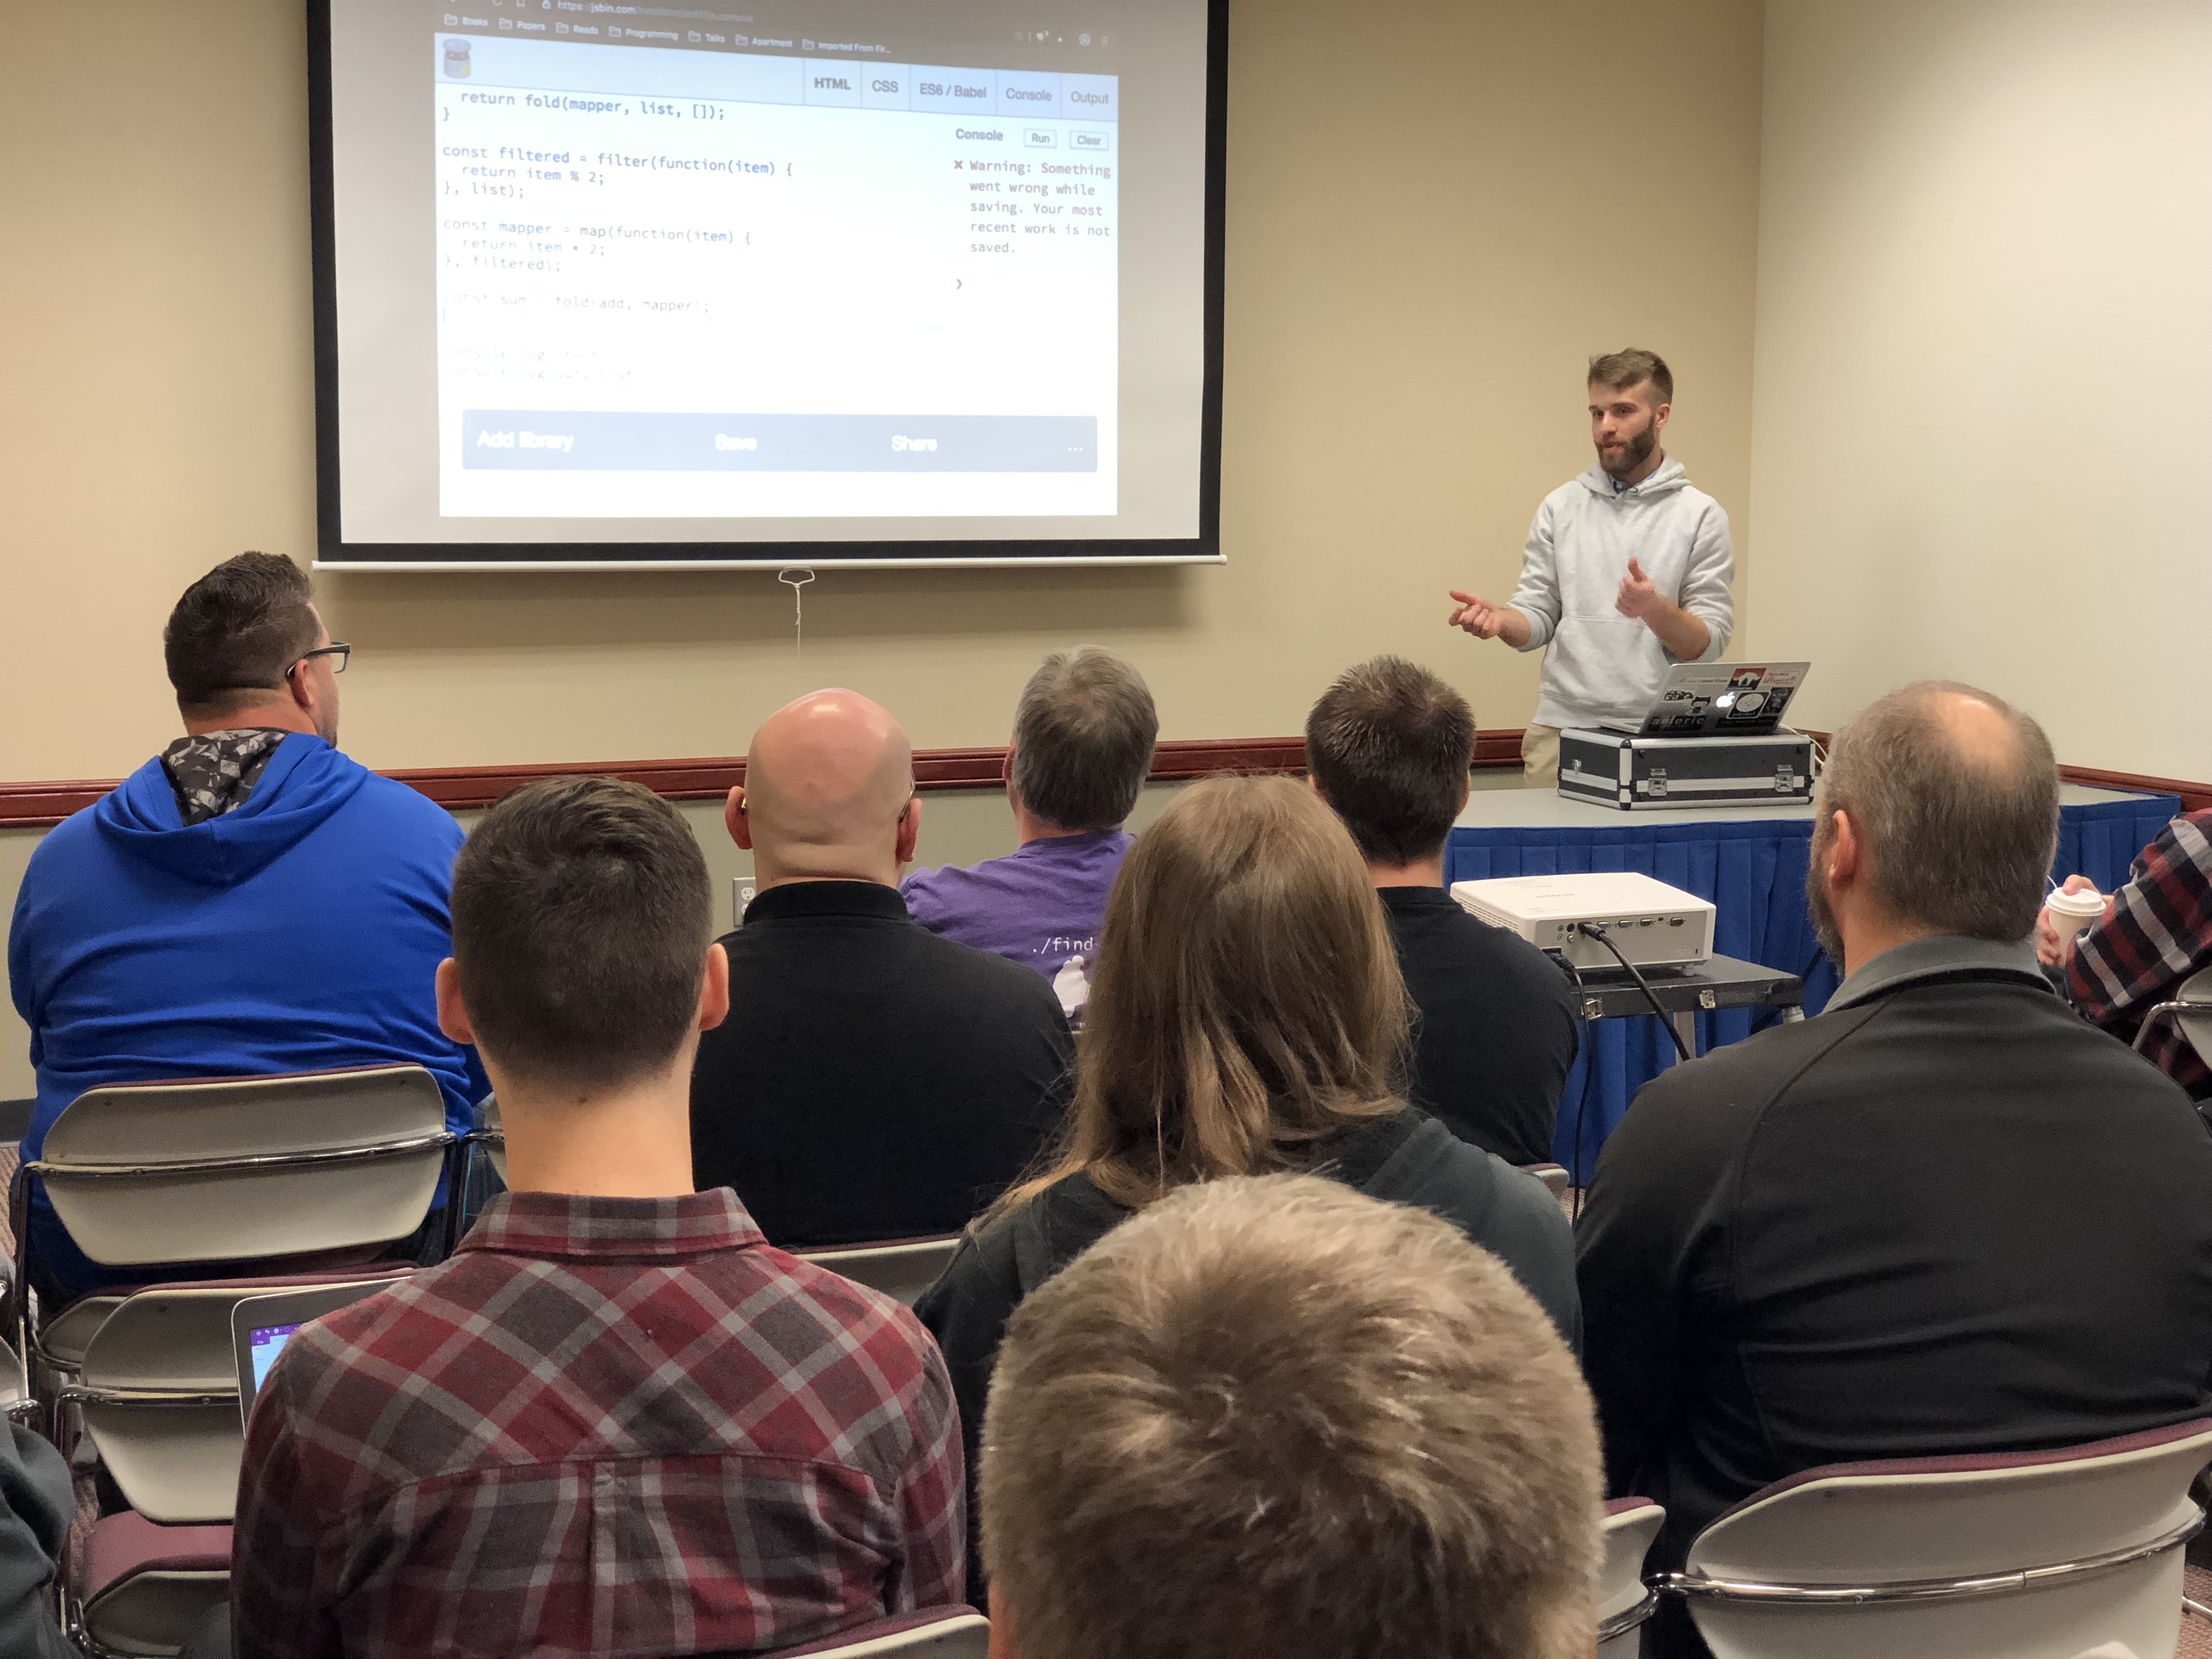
[{"x": 1754, "y": 873}]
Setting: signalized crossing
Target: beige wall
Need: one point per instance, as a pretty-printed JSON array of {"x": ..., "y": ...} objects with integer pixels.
[
  {"x": 1436, "y": 210},
  {"x": 1983, "y": 330}
]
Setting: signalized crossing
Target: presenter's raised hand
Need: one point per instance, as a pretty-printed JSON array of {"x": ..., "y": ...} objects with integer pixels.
[
  {"x": 1637, "y": 598},
  {"x": 1480, "y": 617}
]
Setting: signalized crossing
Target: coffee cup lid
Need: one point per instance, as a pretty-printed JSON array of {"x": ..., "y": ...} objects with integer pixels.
[{"x": 2078, "y": 904}]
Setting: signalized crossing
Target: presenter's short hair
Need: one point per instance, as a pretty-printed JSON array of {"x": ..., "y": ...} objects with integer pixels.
[
  {"x": 581, "y": 916},
  {"x": 1617, "y": 371},
  {"x": 1958, "y": 840},
  {"x": 1083, "y": 733},
  {"x": 237, "y": 629},
  {"x": 1271, "y": 1416},
  {"x": 1389, "y": 745}
]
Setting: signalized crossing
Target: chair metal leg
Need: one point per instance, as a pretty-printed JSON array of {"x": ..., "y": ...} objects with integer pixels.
[{"x": 2197, "y": 1608}]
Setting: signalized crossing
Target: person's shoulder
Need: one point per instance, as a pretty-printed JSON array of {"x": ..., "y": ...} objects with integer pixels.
[
  {"x": 1724, "y": 1090},
  {"x": 930, "y": 893},
  {"x": 838, "y": 1311},
  {"x": 403, "y": 806},
  {"x": 967, "y": 970},
  {"x": 1498, "y": 951}
]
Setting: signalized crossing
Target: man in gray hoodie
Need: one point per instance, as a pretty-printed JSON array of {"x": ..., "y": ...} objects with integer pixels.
[{"x": 1626, "y": 572}]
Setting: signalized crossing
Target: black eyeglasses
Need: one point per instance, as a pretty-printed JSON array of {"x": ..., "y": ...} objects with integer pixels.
[{"x": 341, "y": 652}]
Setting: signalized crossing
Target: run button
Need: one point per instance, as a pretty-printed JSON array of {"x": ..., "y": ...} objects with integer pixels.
[{"x": 1040, "y": 138}]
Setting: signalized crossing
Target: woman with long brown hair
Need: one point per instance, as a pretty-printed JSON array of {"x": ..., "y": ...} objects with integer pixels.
[{"x": 1246, "y": 1016}]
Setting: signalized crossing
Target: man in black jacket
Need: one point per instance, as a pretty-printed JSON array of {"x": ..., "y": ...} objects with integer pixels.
[
  {"x": 1388, "y": 747},
  {"x": 1946, "y": 1216},
  {"x": 871, "y": 1081}
]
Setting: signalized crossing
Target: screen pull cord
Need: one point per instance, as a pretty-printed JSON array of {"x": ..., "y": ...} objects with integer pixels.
[
  {"x": 795, "y": 578},
  {"x": 1642, "y": 984}
]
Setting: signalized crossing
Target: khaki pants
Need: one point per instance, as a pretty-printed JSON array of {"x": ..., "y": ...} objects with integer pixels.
[{"x": 1540, "y": 757}]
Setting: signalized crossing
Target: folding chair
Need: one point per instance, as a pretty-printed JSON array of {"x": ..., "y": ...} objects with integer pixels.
[
  {"x": 903, "y": 1268},
  {"x": 2191, "y": 1010},
  {"x": 159, "y": 1395},
  {"x": 1554, "y": 1178},
  {"x": 308, "y": 1169},
  {"x": 1624, "y": 1600},
  {"x": 927, "y": 1633},
  {"x": 2034, "y": 1555}
]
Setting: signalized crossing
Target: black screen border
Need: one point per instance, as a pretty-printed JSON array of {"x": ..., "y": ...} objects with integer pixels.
[{"x": 334, "y": 552}]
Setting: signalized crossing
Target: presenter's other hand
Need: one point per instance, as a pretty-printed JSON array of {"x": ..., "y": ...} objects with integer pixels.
[
  {"x": 1480, "y": 617},
  {"x": 1637, "y": 598},
  {"x": 2050, "y": 949}
]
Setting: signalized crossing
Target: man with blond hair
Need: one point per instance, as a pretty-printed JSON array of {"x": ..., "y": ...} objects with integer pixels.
[
  {"x": 1271, "y": 1416},
  {"x": 872, "y": 1080}
]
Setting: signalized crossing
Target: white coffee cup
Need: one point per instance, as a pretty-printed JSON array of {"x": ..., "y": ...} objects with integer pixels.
[{"x": 2070, "y": 913}]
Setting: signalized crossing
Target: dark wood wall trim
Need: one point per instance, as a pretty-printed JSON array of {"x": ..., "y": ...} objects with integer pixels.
[
  {"x": 2195, "y": 796},
  {"x": 25, "y": 805}
]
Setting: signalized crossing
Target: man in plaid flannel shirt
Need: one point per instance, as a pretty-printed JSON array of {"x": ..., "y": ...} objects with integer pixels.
[
  {"x": 2156, "y": 931},
  {"x": 616, "y": 1422}
]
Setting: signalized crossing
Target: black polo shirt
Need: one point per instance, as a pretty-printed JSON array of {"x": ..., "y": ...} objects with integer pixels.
[
  {"x": 1946, "y": 1216},
  {"x": 872, "y": 1080},
  {"x": 1497, "y": 1030}
]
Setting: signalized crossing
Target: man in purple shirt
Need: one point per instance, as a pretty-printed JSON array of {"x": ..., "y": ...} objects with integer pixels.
[{"x": 1084, "y": 733}]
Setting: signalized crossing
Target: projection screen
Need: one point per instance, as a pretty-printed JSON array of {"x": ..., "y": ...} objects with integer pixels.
[{"x": 854, "y": 281}]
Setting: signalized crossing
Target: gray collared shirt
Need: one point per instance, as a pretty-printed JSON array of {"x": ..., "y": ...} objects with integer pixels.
[{"x": 1927, "y": 958}]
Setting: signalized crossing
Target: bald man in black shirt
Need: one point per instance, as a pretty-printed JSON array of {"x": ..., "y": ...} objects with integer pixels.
[{"x": 872, "y": 1081}]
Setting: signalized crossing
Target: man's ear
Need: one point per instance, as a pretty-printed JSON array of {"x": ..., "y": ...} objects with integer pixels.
[
  {"x": 1846, "y": 850},
  {"x": 714, "y": 988},
  {"x": 910, "y": 831},
  {"x": 453, "y": 1013},
  {"x": 1466, "y": 791},
  {"x": 734, "y": 819}
]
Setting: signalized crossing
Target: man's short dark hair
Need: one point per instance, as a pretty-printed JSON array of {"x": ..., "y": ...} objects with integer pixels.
[
  {"x": 1956, "y": 841},
  {"x": 1389, "y": 745},
  {"x": 581, "y": 916},
  {"x": 1084, "y": 733},
  {"x": 1619, "y": 371},
  {"x": 237, "y": 629}
]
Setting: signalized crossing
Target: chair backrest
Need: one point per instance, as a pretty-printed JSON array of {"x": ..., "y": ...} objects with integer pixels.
[
  {"x": 935, "y": 1633},
  {"x": 2194, "y": 1018},
  {"x": 1553, "y": 1175},
  {"x": 159, "y": 1392},
  {"x": 1624, "y": 1600},
  {"x": 903, "y": 1268},
  {"x": 240, "y": 1169},
  {"x": 2033, "y": 1555}
]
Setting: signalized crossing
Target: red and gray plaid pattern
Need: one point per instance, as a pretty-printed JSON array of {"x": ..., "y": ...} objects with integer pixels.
[
  {"x": 606, "y": 1426},
  {"x": 2157, "y": 934}
]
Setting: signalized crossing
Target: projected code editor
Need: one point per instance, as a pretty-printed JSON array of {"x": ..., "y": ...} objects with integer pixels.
[{"x": 676, "y": 283}]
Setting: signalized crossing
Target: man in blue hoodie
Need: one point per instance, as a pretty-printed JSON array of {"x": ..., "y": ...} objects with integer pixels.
[
  {"x": 1625, "y": 571},
  {"x": 248, "y": 902}
]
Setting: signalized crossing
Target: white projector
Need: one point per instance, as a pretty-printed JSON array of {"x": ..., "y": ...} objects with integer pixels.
[{"x": 1651, "y": 924}]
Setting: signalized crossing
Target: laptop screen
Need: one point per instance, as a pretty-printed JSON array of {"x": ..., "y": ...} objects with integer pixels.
[{"x": 266, "y": 1342}]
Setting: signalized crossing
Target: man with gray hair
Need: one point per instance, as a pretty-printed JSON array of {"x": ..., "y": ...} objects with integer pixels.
[
  {"x": 1945, "y": 1217},
  {"x": 1084, "y": 733},
  {"x": 1271, "y": 1416}
]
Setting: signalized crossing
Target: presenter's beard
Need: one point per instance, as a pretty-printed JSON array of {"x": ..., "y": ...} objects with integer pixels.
[
  {"x": 1637, "y": 451},
  {"x": 1816, "y": 902}
]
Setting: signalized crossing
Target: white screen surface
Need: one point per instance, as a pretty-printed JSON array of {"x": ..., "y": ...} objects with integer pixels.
[{"x": 633, "y": 283}]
